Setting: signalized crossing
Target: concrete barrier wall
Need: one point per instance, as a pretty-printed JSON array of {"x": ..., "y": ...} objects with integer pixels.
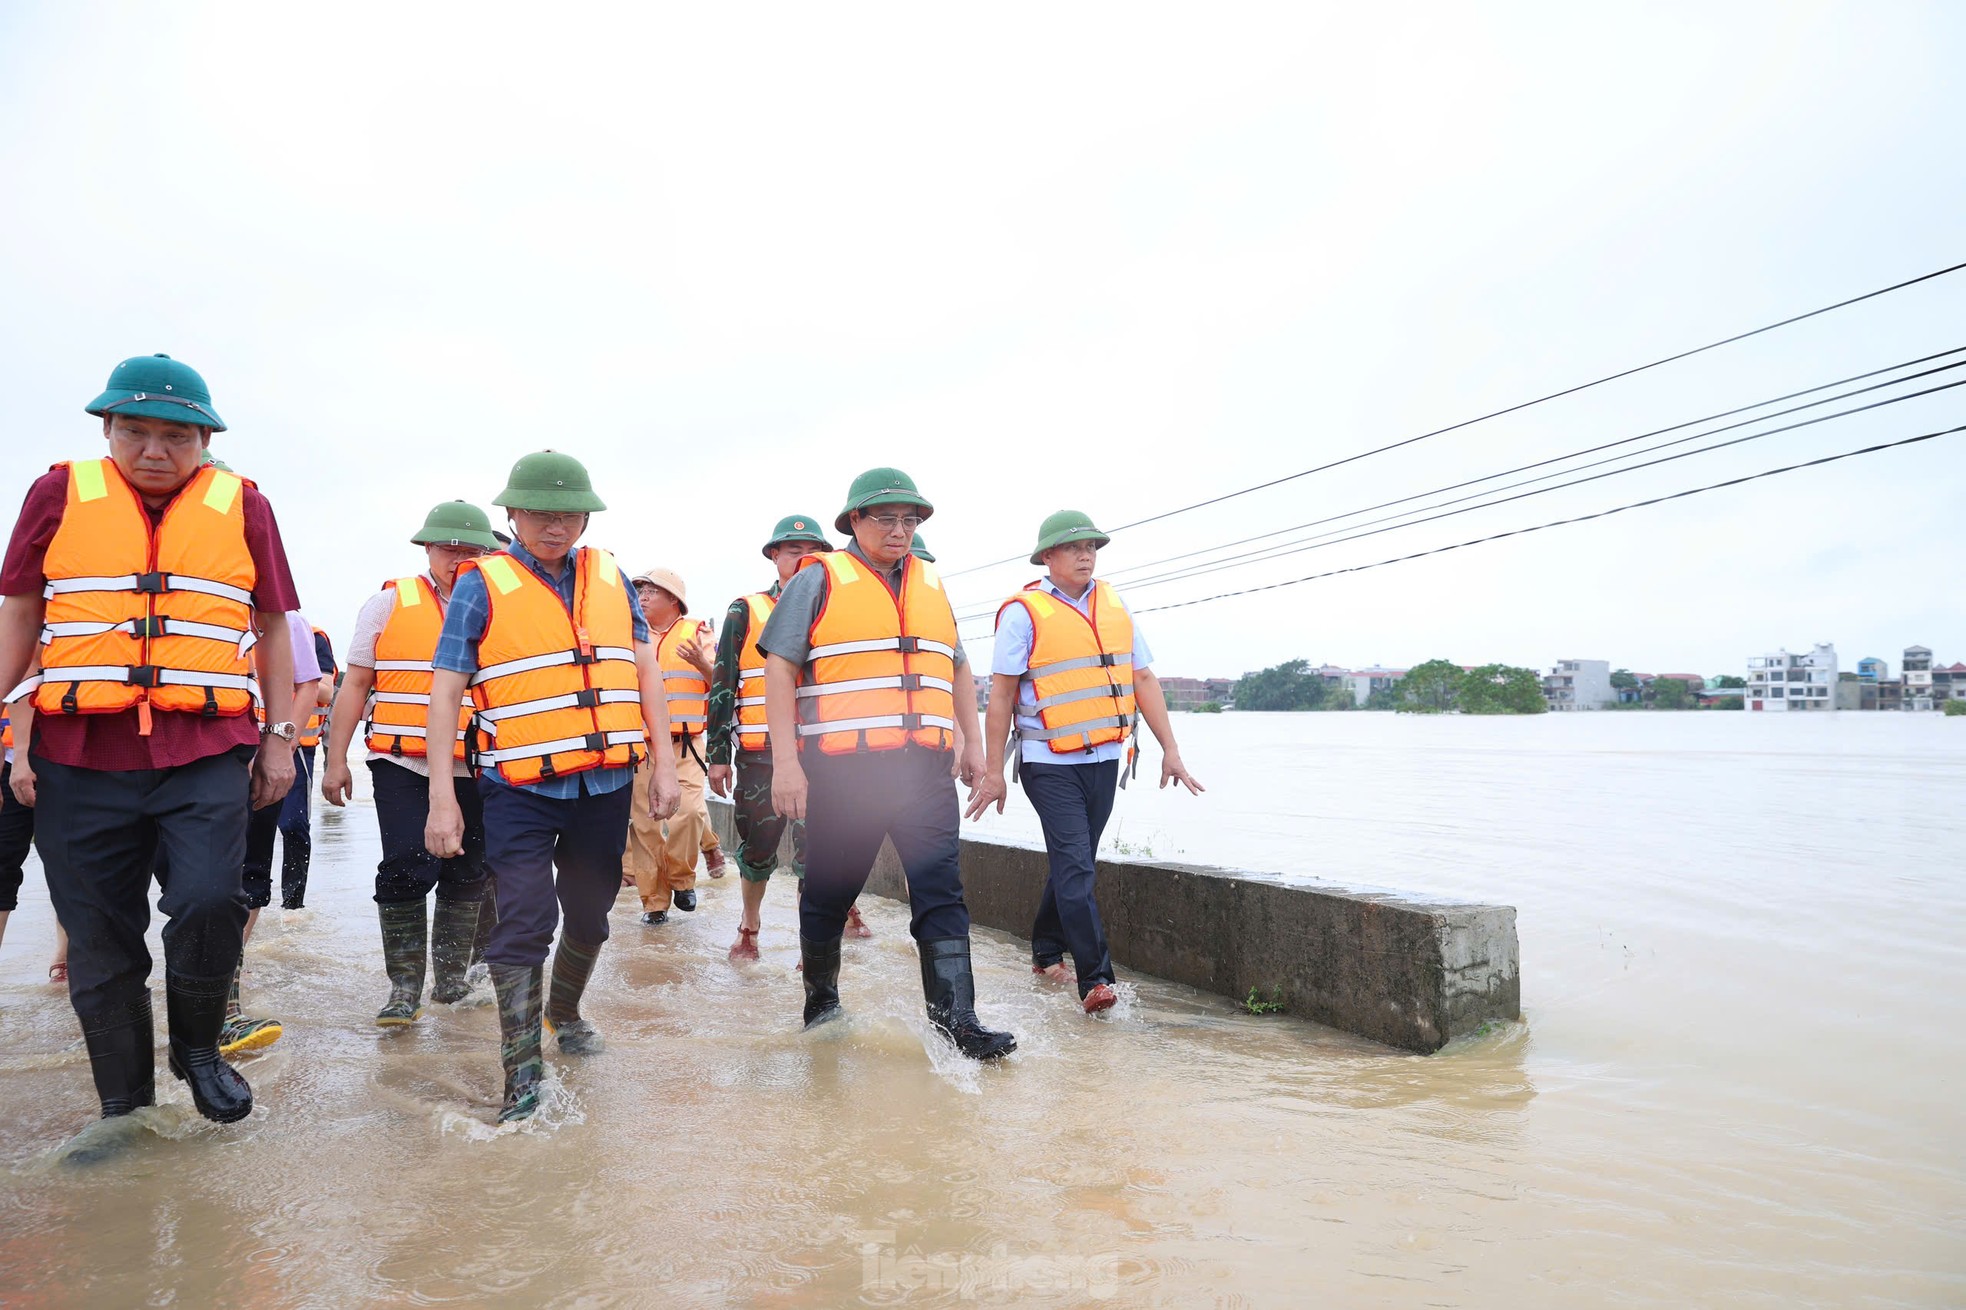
[{"x": 1402, "y": 970}]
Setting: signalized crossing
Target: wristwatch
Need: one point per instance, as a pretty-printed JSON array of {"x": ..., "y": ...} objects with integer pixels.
[{"x": 284, "y": 731}]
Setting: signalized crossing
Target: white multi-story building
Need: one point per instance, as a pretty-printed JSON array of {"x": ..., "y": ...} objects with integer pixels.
[
  {"x": 1363, "y": 682},
  {"x": 1918, "y": 678},
  {"x": 1579, "y": 685},
  {"x": 1793, "y": 682}
]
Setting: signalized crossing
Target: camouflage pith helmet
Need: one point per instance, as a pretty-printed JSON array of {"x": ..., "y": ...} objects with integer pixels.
[
  {"x": 551, "y": 483},
  {"x": 875, "y": 487},
  {"x": 797, "y": 527},
  {"x": 456, "y": 523},
  {"x": 157, "y": 386},
  {"x": 919, "y": 549},
  {"x": 1065, "y": 526}
]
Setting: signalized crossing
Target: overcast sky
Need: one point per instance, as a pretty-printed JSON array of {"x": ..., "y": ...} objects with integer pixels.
[{"x": 1119, "y": 258}]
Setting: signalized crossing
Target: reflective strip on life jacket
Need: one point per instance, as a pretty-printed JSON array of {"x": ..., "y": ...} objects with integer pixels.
[
  {"x": 752, "y": 733},
  {"x": 685, "y": 690}
]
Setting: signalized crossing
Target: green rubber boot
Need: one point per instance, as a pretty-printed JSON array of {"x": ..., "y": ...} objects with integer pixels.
[
  {"x": 518, "y": 991},
  {"x": 453, "y": 932},
  {"x": 573, "y": 964},
  {"x": 239, "y": 1033},
  {"x": 403, "y": 932}
]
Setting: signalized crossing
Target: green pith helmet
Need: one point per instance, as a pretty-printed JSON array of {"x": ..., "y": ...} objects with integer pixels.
[
  {"x": 919, "y": 549},
  {"x": 456, "y": 523},
  {"x": 551, "y": 483},
  {"x": 157, "y": 386},
  {"x": 1066, "y": 525},
  {"x": 797, "y": 527},
  {"x": 880, "y": 487},
  {"x": 214, "y": 461}
]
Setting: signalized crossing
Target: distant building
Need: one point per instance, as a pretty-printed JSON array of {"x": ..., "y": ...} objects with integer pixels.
[
  {"x": 1918, "y": 678},
  {"x": 1785, "y": 682},
  {"x": 1363, "y": 682},
  {"x": 1579, "y": 685},
  {"x": 1186, "y": 693},
  {"x": 1948, "y": 683},
  {"x": 1872, "y": 669}
]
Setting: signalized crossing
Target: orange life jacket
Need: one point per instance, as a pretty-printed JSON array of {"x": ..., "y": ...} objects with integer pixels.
[
  {"x": 686, "y": 691},
  {"x": 310, "y": 732},
  {"x": 751, "y": 733},
  {"x": 1081, "y": 669},
  {"x": 556, "y": 691},
  {"x": 6, "y": 732},
  {"x": 143, "y": 618},
  {"x": 399, "y": 707},
  {"x": 881, "y": 668}
]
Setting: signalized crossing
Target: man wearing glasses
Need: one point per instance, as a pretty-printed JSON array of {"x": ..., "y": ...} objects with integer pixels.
[
  {"x": 388, "y": 684},
  {"x": 865, "y": 687},
  {"x": 567, "y": 692}
]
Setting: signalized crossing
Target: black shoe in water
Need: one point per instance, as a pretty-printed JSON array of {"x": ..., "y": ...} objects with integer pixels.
[
  {"x": 685, "y": 900},
  {"x": 196, "y": 1007},
  {"x": 950, "y": 989},
  {"x": 820, "y": 968},
  {"x": 654, "y": 918}
]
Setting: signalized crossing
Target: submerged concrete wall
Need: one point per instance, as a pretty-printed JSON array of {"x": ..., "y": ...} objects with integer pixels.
[{"x": 1402, "y": 970}]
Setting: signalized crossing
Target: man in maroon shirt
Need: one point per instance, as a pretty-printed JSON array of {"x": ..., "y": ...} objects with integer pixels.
[{"x": 116, "y": 787}]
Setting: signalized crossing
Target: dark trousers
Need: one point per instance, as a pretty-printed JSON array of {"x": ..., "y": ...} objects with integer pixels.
[
  {"x": 256, "y": 875},
  {"x": 759, "y": 828},
  {"x": 100, "y": 834},
  {"x": 408, "y": 870},
  {"x": 16, "y": 836},
  {"x": 852, "y": 802},
  {"x": 1073, "y": 802},
  {"x": 296, "y": 830},
  {"x": 528, "y": 836}
]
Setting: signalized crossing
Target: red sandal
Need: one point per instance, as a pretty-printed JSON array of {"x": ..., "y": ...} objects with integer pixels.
[{"x": 746, "y": 947}]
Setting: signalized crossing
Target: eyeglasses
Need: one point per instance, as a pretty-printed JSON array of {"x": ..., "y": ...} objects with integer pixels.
[
  {"x": 573, "y": 520},
  {"x": 895, "y": 522}
]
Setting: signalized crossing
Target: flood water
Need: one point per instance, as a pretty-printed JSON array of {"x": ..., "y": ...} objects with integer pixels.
[{"x": 1738, "y": 1080}]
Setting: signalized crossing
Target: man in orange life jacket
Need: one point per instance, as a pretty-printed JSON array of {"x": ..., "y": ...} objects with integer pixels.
[
  {"x": 388, "y": 685},
  {"x": 662, "y": 856},
  {"x": 147, "y": 574},
  {"x": 865, "y": 684},
  {"x": 1071, "y": 668},
  {"x": 737, "y": 717},
  {"x": 568, "y": 689}
]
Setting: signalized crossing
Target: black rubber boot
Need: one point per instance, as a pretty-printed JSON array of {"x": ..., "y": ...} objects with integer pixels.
[
  {"x": 196, "y": 1007},
  {"x": 403, "y": 932},
  {"x": 573, "y": 965},
  {"x": 951, "y": 992},
  {"x": 123, "y": 1056},
  {"x": 453, "y": 935},
  {"x": 820, "y": 966},
  {"x": 518, "y": 991}
]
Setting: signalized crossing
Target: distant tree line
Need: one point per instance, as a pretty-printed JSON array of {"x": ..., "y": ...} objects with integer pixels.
[{"x": 1436, "y": 687}]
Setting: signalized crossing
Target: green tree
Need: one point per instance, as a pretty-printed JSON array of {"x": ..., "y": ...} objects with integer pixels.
[
  {"x": 1730, "y": 703},
  {"x": 1671, "y": 694},
  {"x": 1624, "y": 680},
  {"x": 1432, "y": 688},
  {"x": 1383, "y": 698},
  {"x": 1730, "y": 681},
  {"x": 1288, "y": 686},
  {"x": 1502, "y": 689}
]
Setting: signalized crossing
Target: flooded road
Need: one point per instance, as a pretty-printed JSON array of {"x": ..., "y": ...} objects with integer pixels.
[{"x": 1738, "y": 1080}]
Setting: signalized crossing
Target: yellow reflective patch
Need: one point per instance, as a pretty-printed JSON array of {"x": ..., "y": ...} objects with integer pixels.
[
  {"x": 842, "y": 565},
  {"x": 604, "y": 565},
  {"x": 499, "y": 569},
  {"x": 89, "y": 483},
  {"x": 930, "y": 576},
  {"x": 218, "y": 496},
  {"x": 408, "y": 593},
  {"x": 1042, "y": 604}
]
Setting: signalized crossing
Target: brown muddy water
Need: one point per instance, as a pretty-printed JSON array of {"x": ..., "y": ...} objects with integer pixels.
[{"x": 1738, "y": 1080}]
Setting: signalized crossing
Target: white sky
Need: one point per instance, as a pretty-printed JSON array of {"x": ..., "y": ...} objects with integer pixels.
[{"x": 1114, "y": 257}]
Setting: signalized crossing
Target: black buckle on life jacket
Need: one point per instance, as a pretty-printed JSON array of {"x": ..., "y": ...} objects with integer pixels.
[
  {"x": 911, "y": 682},
  {"x": 910, "y": 645},
  {"x": 150, "y": 626},
  {"x": 150, "y": 584},
  {"x": 210, "y": 708},
  {"x": 1107, "y": 659},
  {"x": 584, "y": 657},
  {"x": 144, "y": 675},
  {"x": 587, "y": 698},
  {"x": 911, "y": 722},
  {"x": 595, "y": 741}
]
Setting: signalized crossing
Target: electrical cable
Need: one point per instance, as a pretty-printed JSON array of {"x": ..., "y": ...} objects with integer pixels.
[
  {"x": 1554, "y": 395},
  {"x": 1559, "y": 523}
]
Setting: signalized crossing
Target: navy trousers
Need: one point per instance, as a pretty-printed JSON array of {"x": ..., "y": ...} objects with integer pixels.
[
  {"x": 296, "y": 831},
  {"x": 408, "y": 870},
  {"x": 1073, "y": 802},
  {"x": 16, "y": 837},
  {"x": 100, "y": 834},
  {"x": 528, "y": 837},
  {"x": 852, "y": 802}
]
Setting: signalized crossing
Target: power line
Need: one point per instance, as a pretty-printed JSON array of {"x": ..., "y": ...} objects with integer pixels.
[
  {"x": 1455, "y": 427},
  {"x": 1283, "y": 549},
  {"x": 1559, "y": 523},
  {"x": 1556, "y": 459},
  {"x": 1590, "y": 450}
]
